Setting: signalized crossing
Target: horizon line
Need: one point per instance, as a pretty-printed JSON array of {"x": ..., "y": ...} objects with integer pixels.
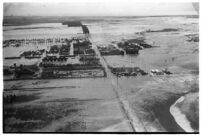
[{"x": 98, "y": 15}]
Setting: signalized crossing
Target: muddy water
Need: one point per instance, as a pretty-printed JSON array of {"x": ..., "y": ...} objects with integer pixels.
[
  {"x": 52, "y": 30},
  {"x": 169, "y": 54}
]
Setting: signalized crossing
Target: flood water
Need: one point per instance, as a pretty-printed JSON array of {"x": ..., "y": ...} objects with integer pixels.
[
  {"x": 109, "y": 30},
  {"x": 94, "y": 102}
]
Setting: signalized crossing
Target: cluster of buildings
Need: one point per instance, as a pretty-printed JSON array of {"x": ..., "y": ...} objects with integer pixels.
[
  {"x": 132, "y": 46},
  {"x": 32, "y": 54},
  {"x": 33, "y": 41},
  {"x": 12, "y": 42},
  {"x": 66, "y": 58},
  {"x": 74, "y": 59},
  {"x": 127, "y": 71},
  {"x": 110, "y": 50}
]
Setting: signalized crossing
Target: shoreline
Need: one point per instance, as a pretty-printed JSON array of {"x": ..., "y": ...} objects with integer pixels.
[
  {"x": 161, "y": 111},
  {"x": 179, "y": 117}
]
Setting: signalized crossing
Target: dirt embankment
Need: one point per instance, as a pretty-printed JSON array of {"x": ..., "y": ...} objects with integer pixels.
[
  {"x": 190, "y": 108},
  {"x": 152, "y": 103}
]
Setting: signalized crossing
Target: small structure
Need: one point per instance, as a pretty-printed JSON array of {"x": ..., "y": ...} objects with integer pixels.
[{"x": 160, "y": 72}]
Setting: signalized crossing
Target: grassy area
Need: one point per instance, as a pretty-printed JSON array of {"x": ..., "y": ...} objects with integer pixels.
[
  {"x": 13, "y": 98},
  {"x": 33, "y": 116}
]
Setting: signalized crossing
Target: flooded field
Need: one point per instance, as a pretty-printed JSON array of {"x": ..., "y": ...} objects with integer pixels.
[{"x": 110, "y": 103}]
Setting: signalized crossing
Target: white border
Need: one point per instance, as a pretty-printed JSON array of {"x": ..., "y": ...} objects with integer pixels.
[{"x": 74, "y": 1}]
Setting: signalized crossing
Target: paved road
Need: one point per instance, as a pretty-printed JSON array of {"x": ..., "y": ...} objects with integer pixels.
[{"x": 116, "y": 88}]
